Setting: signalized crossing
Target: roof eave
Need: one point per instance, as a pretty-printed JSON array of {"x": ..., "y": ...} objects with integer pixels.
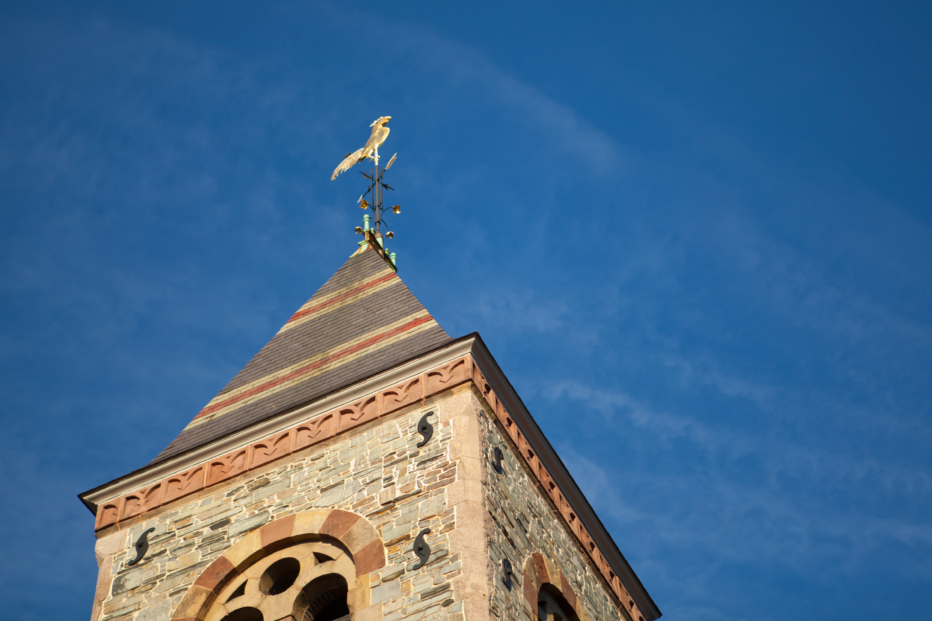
[{"x": 178, "y": 463}]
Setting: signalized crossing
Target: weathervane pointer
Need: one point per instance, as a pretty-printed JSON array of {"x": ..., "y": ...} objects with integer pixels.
[{"x": 373, "y": 236}]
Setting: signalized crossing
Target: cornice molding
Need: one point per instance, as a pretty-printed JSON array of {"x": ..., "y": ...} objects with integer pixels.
[{"x": 148, "y": 475}]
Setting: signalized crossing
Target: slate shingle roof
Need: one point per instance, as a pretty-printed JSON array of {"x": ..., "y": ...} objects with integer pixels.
[{"x": 360, "y": 322}]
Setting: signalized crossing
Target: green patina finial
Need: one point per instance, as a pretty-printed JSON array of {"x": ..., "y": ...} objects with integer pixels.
[{"x": 373, "y": 198}]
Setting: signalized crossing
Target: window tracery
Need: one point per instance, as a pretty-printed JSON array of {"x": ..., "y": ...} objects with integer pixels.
[{"x": 307, "y": 581}]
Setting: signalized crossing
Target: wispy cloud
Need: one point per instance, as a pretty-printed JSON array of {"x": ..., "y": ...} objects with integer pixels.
[
  {"x": 459, "y": 68},
  {"x": 738, "y": 522},
  {"x": 780, "y": 456},
  {"x": 516, "y": 311}
]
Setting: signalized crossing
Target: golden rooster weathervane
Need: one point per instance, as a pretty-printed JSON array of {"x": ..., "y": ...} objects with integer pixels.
[{"x": 372, "y": 236}]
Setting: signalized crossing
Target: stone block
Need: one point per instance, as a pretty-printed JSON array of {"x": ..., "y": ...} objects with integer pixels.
[
  {"x": 247, "y": 524},
  {"x": 470, "y": 469},
  {"x": 144, "y": 500},
  {"x": 355, "y": 414},
  {"x": 126, "y": 582},
  {"x": 465, "y": 491},
  {"x": 387, "y": 495},
  {"x": 109, "y": 545},
  {"x": 216, "y": 575},
  {"x": 445, "y": 377},
  {"x": 338, "y": 523},
  {"x": 330, "y": 497},
  {"x": 103, "y": 581},
  {"x": 359, "y": 593},
  {"x": 404, "y": 394},
  {"x": 359, "y": 535},
  {"x": 397, "y": 532},
  {"x": 352, "y": 487},
  {"x": 121, "y": 612},
  {"x": 270, "y": 490},
  {"x": 315, "y": 431},
  {"x": 540, "y": 568},
  {"x": 158, "y": 612},
  {"x": 228, "y": 466},
  {"x": 270, "y": 449},
  {"x": 244, "y": 548},
  {"x": 131, "y": 506},
  {"x": 432, "y": 506},
  {"x": 568, "y": 593},
  {"x": 310, "y": 521},
  {"x": 369, "y": 613},
  {"x": 211, "y": 519},
  {"x": 187, "y": 560},
  {"x": 475, "y": 596},
  {"x": 191, "y": 604},
  {"x": 277, "y": 531},
  {"x": 370, "y": 558},
  {"x": 466, "y": 437},
  {"x": 108, "y": 513},
  {"x": 184, "y": 483},
  {"x": 386, "y": 591}
]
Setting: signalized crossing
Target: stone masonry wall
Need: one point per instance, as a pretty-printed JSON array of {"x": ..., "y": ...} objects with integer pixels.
[
  {"x": 524, "y": 521},
  {"x": 375, "y": 471}
]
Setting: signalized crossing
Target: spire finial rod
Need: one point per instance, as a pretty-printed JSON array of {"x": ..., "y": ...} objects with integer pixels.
[{"x": 377, "y": 185}]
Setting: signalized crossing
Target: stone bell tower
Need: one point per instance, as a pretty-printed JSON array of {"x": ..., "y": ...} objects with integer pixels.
[{"x": 363, "y": 465}]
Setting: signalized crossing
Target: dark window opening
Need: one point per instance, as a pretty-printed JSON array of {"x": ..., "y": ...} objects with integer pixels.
[
  {"x": 334, "y": 611},
  {"x": 325, "y": 599},
  {"x": 552, "y": 606},
  {"x": 279, "y": 576},
  {"x": 240, "y": 590},
  {"x": 244, "y": 614}
]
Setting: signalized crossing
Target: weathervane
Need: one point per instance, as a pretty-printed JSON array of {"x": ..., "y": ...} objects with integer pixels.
[{"x": 373, "y": 236}]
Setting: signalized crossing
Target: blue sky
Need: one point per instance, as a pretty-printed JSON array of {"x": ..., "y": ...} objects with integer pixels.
[{"x": 697, "y": 238}]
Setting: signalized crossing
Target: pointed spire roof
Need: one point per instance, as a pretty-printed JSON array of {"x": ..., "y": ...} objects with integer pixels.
[{"x": 360, "y": 322}]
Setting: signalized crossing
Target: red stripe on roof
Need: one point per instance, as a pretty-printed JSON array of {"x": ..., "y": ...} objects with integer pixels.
[
  {"x": 341, "y": 297},
  {"x": 314, "y": 365}
]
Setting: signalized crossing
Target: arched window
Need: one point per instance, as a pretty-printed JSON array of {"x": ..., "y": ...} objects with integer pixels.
[
  {"x": 548, "y": 592},
  {"x": 306, "y": 581},
  {"x": 326, "y": 597},
  {"x": 552, "y": 606},
  {"x": 308, "y": 566}
]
